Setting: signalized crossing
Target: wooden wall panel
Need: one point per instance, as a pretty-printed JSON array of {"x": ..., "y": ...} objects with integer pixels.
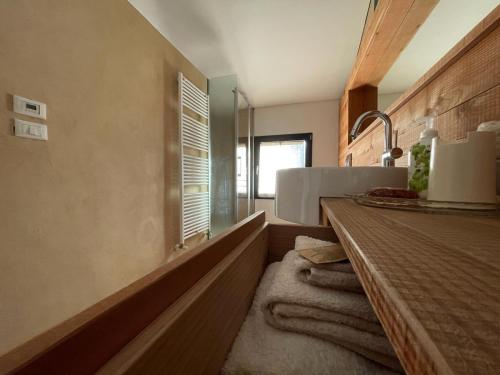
[
  {"x": 462, "y": 87},
  {"x": 194, "y": 335},
  {"x": 343, "y": 129},
  {"x": 359, "y": 101}
]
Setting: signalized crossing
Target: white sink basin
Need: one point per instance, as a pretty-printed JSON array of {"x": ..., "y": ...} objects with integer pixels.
[{"x": 298, "y": 190}]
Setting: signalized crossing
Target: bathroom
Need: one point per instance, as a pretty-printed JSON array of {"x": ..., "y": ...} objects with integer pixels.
[{"x": 163, "y": 162}]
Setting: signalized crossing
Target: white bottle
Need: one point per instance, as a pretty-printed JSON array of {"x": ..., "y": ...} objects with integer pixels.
[{"x": 419, "y": 157}]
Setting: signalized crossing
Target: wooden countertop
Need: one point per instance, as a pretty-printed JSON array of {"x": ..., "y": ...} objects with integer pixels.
[{"x": 434, "y": 282}]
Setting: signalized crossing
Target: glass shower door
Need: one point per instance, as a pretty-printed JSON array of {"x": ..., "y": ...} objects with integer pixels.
[
  {"x": 222, "y": 153},
  {"x": 244, "y": 157}
]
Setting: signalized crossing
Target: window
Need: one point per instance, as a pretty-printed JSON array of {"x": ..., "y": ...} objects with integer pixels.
[
  {"x": 279, "y": 152},
  {"x": 241, "y": 170}
]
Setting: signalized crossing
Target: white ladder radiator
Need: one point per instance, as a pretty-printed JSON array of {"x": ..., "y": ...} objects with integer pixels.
[{"x": 195, "y": 159}]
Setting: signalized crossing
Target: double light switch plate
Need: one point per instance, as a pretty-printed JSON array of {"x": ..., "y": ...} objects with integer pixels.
[{"x": 31, "y": 130}]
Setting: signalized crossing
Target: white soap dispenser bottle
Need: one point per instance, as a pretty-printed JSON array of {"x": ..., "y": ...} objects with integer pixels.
[{"x": 419, "y": 157}]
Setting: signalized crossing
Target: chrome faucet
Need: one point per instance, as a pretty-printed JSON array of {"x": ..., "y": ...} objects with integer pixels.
[{"x": 390, "y": 153}]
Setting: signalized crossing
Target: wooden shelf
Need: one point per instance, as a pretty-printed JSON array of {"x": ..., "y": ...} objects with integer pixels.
[{"x": 434, "y": 282}]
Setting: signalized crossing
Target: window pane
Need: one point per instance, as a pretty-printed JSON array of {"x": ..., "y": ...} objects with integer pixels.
[
  {"x": 278, "y": 155},
  {"x": 241, "y": 169}
]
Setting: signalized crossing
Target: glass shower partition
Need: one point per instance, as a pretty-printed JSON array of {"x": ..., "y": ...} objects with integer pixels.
[
  {"x": 231, "y": 154},
  {"x": 222, "y": 153}
]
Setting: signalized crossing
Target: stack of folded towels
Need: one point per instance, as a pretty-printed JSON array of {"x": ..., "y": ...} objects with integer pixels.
[{"x": 312, "y": 319}]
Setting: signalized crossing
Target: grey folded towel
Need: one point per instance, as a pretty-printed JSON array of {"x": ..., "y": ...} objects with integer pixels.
[
  {"x": 341, "y": 317},
  {"x": 330, "y": 275},
  {"x": 260, "y": 349}
]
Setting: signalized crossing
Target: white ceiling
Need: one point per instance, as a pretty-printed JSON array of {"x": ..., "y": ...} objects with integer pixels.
[
  {"x": 283, "y": 51},
  {"x": 449, "y": 22}
]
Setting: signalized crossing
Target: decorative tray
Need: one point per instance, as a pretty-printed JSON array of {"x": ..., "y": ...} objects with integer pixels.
[{"x": 424, "y": 205}]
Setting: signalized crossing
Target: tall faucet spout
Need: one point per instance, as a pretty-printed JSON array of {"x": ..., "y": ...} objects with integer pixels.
[
  {"x": 390, "y": 153},
  {"x": 375, "y": 114}
]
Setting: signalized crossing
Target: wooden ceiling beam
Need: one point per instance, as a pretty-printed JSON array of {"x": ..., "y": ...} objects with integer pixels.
[{"x": 389, "y": 30}]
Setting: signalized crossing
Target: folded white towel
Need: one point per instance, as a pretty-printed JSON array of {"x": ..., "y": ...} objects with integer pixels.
[
  {"x": 341, "y": 317},
  {"x": 260, "y": 349},
  {"x": 338, "y": 275}
]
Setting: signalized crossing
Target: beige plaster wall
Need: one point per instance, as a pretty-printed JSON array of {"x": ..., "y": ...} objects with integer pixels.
[{"x": 96, "y": 206}]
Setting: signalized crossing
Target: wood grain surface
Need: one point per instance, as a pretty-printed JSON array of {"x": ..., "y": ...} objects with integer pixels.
[
  {"x": 464, "y": 88},
  {"x": 82, "y": 344},
  {"x": 194, "y": 335},
  {"x": 389, "y": 29},
  {"x": 434, "y": 282},
  {"x": 360, "y": 100}
]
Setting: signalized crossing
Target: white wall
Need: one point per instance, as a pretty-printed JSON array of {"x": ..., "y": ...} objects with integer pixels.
[
  {"x": 385, "y": 100},
  {"x": 319, "y": 118}
]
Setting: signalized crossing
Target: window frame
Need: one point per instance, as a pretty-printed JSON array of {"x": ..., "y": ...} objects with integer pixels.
[{"x": 307, "y": 137}]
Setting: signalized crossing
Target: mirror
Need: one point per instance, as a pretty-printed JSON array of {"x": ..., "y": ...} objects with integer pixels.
[{"x": 447, "y": 24}]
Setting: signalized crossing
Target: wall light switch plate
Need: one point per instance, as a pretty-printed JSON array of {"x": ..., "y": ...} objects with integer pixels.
[
  {"x": 30, "y": 107},
  {"x": 30, "y": 130}
]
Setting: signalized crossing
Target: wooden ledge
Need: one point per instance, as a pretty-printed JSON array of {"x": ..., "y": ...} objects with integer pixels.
[
  {"x": 195, "y": 333},
  {"x": 433, "y": 280},
  {"x": 82, "y": 344}
]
